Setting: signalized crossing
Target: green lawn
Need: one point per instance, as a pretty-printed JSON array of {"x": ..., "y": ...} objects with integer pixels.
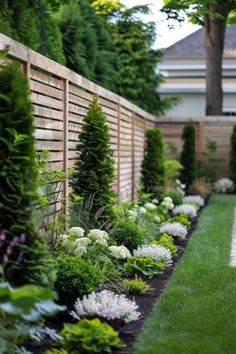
[{"x": 197, "y": 312}]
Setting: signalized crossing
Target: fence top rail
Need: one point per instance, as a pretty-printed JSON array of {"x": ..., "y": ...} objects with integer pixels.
[
  {"x": 27, "y": 55},
  {"x": 207, "y": 119}
]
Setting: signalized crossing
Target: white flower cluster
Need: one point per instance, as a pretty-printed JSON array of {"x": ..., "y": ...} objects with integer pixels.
[
  {"x": 194, "y": 199},
  {"x": 150, "y": 206},
  {"x": 186, "y": 209},
  {"x": 160, "y": 254},
  {"x": 106, "y": 304},
  {"x": 224, "y": 185},
  {"x": 119, "y": 252},
  {"x": 175, "y": 229},
  {"x": 167, "y": 203},
  {"x": 155, "y": 201},
  {"x": 78, "y": 247},
  {"x": 180, "y": 187}
]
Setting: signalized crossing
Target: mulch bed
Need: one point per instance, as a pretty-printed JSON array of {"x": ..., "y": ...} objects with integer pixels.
[{"x": 145, "y": 303}]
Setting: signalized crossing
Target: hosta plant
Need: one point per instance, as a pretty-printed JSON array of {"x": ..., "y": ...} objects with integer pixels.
[
  {"x": 183, "y": 219},
  {"x": 89, "y": 336},
  {"x": 136, "y": 286},
  {"x": 108, "y": 306},
  {"x": 145, "y": 266},
  {"x": 166, "y": 241}
]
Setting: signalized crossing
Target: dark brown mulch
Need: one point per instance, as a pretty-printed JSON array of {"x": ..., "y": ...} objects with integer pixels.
[{"x": 145, "y": 302}]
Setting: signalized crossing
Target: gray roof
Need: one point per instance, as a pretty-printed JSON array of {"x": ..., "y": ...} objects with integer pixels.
[{"x": 193, "y": 44}]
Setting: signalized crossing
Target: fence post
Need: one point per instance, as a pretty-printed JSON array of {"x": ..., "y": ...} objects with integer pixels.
[
  {"x": 65, "y": 143},
  {"x": 118, "y": 149},
  {"x": 133, "y": 156}
]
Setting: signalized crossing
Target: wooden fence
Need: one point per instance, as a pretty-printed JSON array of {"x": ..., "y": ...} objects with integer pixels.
[
  {"x": 217, "y": 128},
  {"x": 61, "y": 99}
]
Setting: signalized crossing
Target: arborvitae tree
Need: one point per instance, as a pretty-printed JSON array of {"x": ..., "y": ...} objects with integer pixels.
[
  {"x": 23, "y": 252},
  {"x": 32, "y": 23},
  {"x": 94, "y": 164},
  {"x": 188, "y": 154},
  {"x": 153, "y": 163},
  {"x": 233, "y": 155},
  {"x": 87, "y": 44}
]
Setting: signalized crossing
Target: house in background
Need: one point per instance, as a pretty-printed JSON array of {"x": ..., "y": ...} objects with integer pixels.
[{"x": 184, "y": 69}]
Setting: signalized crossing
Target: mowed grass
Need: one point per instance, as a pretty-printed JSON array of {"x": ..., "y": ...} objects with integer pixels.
[{"x": 196, "y": 313}]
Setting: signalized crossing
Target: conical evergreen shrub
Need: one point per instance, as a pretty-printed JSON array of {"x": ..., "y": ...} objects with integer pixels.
[
  {"x": 94, "y": 164},
  {"x": 233, "y": 155},
  {"x": 188, "y": 154},
  {"x": 23, "y": 251},
  {"x": 153, "y": 163}
]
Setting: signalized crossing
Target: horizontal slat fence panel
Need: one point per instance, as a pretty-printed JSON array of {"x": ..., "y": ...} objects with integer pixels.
[
  {"x": 217, "y": 128},
  {"x": 61, "y": 100}
]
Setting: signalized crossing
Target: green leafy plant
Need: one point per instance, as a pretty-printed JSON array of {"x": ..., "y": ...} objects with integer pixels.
[
  {"x": 166, "y": 241},
  {"x": 175, "y": 196},
  {"x": 144, "y": 266},
  {"x": 183, "y": 219},
  {"x": 188, "y": 154},
  {"x": 75, "y": 278},
  {"x": 88, "y": 336},
  {"x": 18, "y": 176},
  {"x": 20, "y": 309},
  {"x": 136, "y": 286},
  {"x": 210, "y": 162},
  {"x": 153, "y": 165},
  {"x": 172, "y": 170},
  {"x": 128, "y": 233},
  {"x": 233, "y": 155},
  {"x": 94, "y": 163}
]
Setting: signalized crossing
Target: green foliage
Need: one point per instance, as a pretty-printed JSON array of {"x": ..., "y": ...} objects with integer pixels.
[
  {"x": 87, "y": 45},
  {"x": 166, "y": 241},
  {"x": 136, "y": 286},
  {"x": 233, "y": 156},
  {"x": 175, "y": 196},
  {"x": 18, "y": 180},
  {"x": 188, "y": 154},
  {"x": 183, "y": 219},
  {"x": 19, "y": 309},
  {"x": 94, "y": 163},
  {"x": 210, "y": 163},
  {"x": 133, "y": 39},
  {"x": 153, "y": 165},
  {"x": 75, "y": 278},
  {"x": 127, "y": 233},
  {"x": 106, "y": 8},
  {"x": 172, "y": 170},
  {"x": 89, "y": 336},
  {"x": 32, "y": 23},
  {"x": 144, "y": 266}
]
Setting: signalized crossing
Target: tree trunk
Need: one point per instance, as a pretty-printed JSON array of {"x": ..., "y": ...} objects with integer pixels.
[{"x": 214, "y": 44}]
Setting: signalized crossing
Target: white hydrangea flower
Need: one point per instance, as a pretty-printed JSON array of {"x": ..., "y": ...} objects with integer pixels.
[
  {"x": 194, "y": 199},
  {"x": 133, "y": 213},
  {"x": 142, "y": 210},
  {"x": 97, "y": 234},
  {"x": 186, "y": 209},
  {"x": 102, "y": 243},
  {"x": 150, "y": 206},
  {"x": 106, "y": 304},
  {"x": 224, "y": 185},
  {"x": 119, "y": 252},
  {"x": 167, "y": 203},
  {"x": 156, "y": 252},
  {"x": 178, "y": 182},
  {"x": 155, "y": 201},
  {"x": 83, "y": 241},
  {"x": 80, "y": 251},
  {"x": 175, "y": 229},
  {"x": 76, "y": 231},
  {"x": 157, "y": 218}
]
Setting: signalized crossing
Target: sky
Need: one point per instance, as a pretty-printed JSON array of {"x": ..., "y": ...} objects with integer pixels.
[{"x": 165, "y": 36}]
